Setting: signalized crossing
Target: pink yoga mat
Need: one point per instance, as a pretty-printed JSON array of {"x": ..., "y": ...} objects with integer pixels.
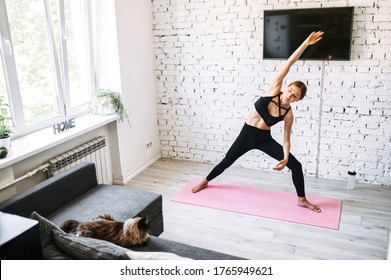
[{"x": 264, "y": 203}]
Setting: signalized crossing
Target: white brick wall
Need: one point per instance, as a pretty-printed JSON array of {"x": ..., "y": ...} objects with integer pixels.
[{"x": 209, "y": 70}]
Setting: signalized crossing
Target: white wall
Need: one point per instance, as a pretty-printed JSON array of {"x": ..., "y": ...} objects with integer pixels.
[
  {"x": 210, "y": 70},
  {"x": 126, "y": 63}
]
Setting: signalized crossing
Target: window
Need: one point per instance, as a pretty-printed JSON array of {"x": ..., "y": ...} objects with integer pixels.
[
  {"x": 3, "y": 96},
  {"x": 47, "y": 60}
]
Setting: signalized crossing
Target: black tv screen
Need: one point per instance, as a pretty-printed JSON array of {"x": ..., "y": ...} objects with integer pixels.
[{"x": 285, "y": 30}]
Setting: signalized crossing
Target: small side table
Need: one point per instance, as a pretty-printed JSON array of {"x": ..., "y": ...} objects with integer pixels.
[{"x": 19, "y": 238}]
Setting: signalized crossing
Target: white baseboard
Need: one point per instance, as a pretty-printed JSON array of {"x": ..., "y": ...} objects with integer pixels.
[{"x": 126, "y": 179}]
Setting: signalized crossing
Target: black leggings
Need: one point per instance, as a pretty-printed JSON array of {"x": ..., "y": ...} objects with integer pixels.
[{"x": 254, "y": 138}]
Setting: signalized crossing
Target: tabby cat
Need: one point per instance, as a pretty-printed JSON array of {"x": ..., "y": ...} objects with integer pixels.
[{"x": 134, "y": 231}]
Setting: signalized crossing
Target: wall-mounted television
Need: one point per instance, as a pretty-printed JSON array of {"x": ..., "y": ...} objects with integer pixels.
[{"x": 285, "y": 30}]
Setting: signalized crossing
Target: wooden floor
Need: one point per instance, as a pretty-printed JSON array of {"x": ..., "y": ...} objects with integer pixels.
[{"x": 363, "y": 234}]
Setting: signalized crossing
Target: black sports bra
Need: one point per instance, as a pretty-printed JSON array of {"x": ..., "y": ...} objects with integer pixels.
[{"x": 261, "y": 105}]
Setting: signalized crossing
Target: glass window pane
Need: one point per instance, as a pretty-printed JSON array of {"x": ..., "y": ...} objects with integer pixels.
[
  {"x": 3, "y": 89},
  {"x": 33, "y": 59},
  {"x": 77, "y": 52}
]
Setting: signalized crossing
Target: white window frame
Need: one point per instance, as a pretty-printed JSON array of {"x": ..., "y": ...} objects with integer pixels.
[
  {"x": 60, "y": 73},
  {"x": 69, "y": 110}
]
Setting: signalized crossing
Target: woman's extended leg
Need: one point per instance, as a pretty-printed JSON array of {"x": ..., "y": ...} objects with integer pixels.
[
  {"x": 275, "y": 150},
  {"x": 241, "y": 146}
]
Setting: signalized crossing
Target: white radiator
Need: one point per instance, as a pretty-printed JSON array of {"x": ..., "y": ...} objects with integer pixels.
[{"x": 94, "y": 151}]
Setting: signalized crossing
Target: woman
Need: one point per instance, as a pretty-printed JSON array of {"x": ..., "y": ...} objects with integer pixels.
[{"x": 269, "y": 109}]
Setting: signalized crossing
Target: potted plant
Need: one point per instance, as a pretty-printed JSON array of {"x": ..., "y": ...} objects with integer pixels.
[
  {"x": 5, "y": 128},
  {"x": 107, "y": 102}
]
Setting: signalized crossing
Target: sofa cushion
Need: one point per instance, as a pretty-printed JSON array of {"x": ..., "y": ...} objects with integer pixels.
[
  {"x": 157, "y": 244},
  {"x": 85, "y": 248},
  {"x": 120, "y": 202},
  {"x": 134, "y": 255},
  {"x": 49, "y": 248},
  {"x": 45, "y": 229}
]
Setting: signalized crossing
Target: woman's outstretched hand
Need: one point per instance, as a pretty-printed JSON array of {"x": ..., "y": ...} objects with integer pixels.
[
  {"x": 280, "y": 165},
  {"x": 314, "y": 37}
]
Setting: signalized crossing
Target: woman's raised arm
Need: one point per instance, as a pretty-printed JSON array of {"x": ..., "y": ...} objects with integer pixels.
[{"x": 276, "y": 84}]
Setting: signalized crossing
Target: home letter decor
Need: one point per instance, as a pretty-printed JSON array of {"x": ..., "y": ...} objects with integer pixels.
[{"x": 65, "y": 125}]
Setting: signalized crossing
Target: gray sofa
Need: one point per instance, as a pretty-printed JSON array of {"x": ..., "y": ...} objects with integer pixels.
[{"x": 75, "y": 194}]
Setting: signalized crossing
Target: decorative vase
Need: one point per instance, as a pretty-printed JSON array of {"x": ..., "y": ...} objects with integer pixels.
[
  {"x": 5, "y": 142},
  {"x": 103, "y": 106}
]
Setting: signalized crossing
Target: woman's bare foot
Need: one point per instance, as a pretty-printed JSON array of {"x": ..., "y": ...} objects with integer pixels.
[
  {"x": 200, "y": 186},
  {"x": 303, "y": 202}
]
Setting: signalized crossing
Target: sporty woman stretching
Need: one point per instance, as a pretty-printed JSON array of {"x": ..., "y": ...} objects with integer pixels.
[{"x": 269, "y": 109}]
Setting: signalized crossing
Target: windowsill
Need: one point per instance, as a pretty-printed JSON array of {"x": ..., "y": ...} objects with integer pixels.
[{"x": 39, "y": 141}]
